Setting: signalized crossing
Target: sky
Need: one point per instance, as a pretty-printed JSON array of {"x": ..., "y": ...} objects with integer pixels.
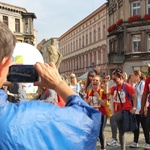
[{"x": 55, "y": 17}]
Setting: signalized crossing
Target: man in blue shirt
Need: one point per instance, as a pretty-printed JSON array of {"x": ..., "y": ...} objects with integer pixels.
[{"x": 36, "y": 125}]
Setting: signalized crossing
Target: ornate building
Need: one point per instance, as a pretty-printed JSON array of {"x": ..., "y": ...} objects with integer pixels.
[
  {"x": 84, "y": 45},
  {"x": 20, "y": 22},
  {"x": 129, "y": 34}
]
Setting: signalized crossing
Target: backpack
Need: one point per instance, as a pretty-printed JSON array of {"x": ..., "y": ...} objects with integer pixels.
[
  {"x": 107, "y": 106},
  {"x": 126, "y": 93}
]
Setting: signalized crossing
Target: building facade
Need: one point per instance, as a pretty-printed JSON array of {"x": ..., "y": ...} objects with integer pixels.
[
  {"x": 129, "y": 35},
  {"x": 84, "y": 45},
  {"x": 20, "y": 22}
]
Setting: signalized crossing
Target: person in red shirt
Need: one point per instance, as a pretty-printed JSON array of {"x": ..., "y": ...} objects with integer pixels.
[
  {"x": 122, "y": 93},
  {"x": 96, "y": 98},
  {"x": 146, "y": 99}
]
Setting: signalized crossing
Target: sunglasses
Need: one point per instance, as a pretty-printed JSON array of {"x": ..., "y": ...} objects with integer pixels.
[{"x": 117, "y": 71}]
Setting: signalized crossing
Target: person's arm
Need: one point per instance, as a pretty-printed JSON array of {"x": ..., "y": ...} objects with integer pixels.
[
  {"x": 10, "y": 94},
  {"x": 50, "y": 78},
  {"x": 107, "y": 91},
  {"x": 134, "y": 99},
  {"x": 144, "y": 96},
  {"x": 143, "y": 102}
]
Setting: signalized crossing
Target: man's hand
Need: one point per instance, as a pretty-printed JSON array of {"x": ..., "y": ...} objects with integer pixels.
[
  {"x": 141, "y": 112},
  {"x": 51, "y": 79},
  {"x": 132, "y": 111},
  {"x": 48, "y": 74}
]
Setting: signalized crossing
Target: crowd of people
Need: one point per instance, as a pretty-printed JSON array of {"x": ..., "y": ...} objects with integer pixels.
[
  {"x": 124, "y": 92},
  {"x": 80, "y": 121}
]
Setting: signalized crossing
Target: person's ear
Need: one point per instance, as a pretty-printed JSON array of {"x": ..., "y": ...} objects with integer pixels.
[{"x": 6, "y": 61}]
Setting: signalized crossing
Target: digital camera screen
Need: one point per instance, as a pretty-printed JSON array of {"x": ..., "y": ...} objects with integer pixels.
[{"x": 22, "y": 73}]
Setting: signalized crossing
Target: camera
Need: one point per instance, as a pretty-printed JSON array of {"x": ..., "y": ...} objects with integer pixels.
[{"x": 22, "y": 73}]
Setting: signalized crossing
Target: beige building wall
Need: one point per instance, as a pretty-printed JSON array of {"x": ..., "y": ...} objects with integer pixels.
[
  {"x": 84, "y": 45},
  {"x": 35, "y": 39},
  {"x": 25, "y": 33}
]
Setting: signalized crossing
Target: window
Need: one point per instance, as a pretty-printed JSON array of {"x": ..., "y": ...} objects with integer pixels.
[
  {"x": 79, "y": 43},
  {"x": 120, "y": 43},
  {"x": 71, "y": 47},
  {"x": 76, "y": 44},
  {"x": 26, "y": 25},
  {"x": 94, "y": 35},
  {"x": 68, "y": 50},
  {"x": 148, "y": 43},
  {"x": 148, "y": 6},
  {"x": 104, "y": 32},
  {"x": 90, "y": 37},
  {"x": 5, "y": 20},
  {"x": 99, "y": 33},
  {"x": 86, "y": 39},
  {"x": 143, "y": 69},
  {"x": 136, "y": 8},
  {"x": 83, "y": 41},
  {"x": 17, "y": 25},
  {"x": 114, "y": 46},
  {"x": 136, "y": 43}
]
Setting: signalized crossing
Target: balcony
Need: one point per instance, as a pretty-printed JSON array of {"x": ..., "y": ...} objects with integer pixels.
[
  {"x": 116, "y": 58},
  {"x": 137, "y": 56}
]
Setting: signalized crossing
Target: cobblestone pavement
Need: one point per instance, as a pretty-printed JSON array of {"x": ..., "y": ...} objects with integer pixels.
[{"x": 129, "y": 139}]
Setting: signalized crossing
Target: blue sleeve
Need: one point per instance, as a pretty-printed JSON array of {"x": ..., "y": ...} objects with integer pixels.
[{"x": 38, "y": 125}]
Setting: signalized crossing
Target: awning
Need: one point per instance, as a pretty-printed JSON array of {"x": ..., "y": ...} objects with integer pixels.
[{"x": 83, "y": 77}]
